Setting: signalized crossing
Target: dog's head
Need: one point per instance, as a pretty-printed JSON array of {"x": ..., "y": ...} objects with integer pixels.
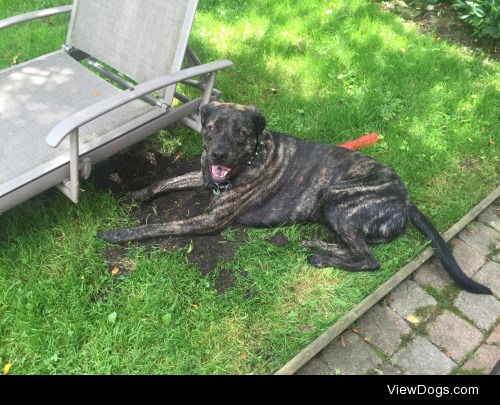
[{"x": 230, "y": 137}]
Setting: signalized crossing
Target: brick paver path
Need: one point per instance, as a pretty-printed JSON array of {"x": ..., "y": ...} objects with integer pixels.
[{"x": 426, "y": 325}]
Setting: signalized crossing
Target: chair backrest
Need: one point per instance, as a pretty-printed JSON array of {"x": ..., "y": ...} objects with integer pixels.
[{"x": 141, "y": 38}]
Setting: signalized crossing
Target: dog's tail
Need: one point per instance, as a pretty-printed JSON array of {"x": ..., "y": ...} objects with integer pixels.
[{"x": 424, "y": 225}]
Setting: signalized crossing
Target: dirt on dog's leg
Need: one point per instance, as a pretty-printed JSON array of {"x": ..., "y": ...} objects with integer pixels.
[{"x": 184, "y": 182}]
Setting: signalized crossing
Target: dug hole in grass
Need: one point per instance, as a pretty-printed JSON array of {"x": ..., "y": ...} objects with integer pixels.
[{"x": 328, "y": 72}]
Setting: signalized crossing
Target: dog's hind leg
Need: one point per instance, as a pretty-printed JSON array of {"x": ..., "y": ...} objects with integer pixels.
[
  {"x": 353, "y": 255},
  {"x": 369, "y": 210},
  {"x": 352, "y": 252},
  {"x": 184, "y": 182},
  {"x": 319, "y": 244}
]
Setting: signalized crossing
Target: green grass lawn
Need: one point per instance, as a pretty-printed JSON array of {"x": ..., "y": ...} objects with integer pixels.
[{"x": 340, "y": 69}]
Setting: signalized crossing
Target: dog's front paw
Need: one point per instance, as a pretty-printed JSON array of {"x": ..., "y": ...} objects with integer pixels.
[
  {"x": 117, "y": 235},
  {"x": 136, "y": 196}
]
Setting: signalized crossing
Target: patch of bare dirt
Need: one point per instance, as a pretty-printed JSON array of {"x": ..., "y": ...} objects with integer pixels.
[
  {"x": 224, "y": 281},
  {"x": 138, "y": 168},
  {"x": 443, "y": 21},
  {"x": 279, "y": 239}
]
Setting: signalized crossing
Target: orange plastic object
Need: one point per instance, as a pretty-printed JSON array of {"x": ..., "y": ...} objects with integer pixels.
[{"x": 365, "y": 140}]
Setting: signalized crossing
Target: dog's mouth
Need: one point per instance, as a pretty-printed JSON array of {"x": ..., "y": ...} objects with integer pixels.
[{"x": 220, "y": 173}]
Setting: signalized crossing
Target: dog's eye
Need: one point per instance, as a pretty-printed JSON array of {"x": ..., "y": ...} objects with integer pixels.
[
  {"x": 242, "y": 133},
  {"x": 210, "y": 127}
]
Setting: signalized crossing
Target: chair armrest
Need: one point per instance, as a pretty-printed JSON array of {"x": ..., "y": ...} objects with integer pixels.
[
  {"x": 65, "y": 127},
  {"x": 47, "y": 12}
]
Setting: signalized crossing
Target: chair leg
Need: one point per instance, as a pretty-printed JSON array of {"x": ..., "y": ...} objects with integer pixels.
[
  {"x": 71, "y": 187},
  {"x": 207, "y": 95},
  {"x": 195, "y": 122}
]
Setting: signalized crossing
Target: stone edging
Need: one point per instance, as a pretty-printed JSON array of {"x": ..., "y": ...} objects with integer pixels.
[{"x": 343, "y": 323}]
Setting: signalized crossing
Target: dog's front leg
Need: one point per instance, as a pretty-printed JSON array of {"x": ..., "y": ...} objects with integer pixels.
[
  {"x": 184, "y": 182},
  {"x": 204, "y": 224}
]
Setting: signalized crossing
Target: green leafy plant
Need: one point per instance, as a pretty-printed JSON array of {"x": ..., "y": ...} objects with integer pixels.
[{"x": 483, "y": 15}]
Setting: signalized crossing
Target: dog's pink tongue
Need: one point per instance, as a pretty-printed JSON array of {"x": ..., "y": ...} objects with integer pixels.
[{"x": 219, "y": 172}]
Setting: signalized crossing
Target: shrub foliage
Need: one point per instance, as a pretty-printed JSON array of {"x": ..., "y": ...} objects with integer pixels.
[{"x": 483, "y": 15}]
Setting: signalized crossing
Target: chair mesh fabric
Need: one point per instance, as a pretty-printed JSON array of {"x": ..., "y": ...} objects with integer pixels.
[
  {"x": 37, "y": 95},
  {"x": 143, "y": 39}
]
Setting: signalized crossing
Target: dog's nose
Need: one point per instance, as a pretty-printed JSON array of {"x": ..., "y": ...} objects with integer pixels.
[{"x": 219, "y": 152}]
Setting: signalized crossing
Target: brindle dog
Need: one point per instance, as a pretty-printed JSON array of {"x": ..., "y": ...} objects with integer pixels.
[{"x": 263, "y": 179}]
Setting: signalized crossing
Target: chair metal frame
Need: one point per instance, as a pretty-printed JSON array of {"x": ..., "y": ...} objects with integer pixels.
[{"x": 66, "y": 176}]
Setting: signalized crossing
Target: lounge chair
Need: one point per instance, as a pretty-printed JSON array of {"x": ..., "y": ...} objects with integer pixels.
[{"x": 111, "y": 85}]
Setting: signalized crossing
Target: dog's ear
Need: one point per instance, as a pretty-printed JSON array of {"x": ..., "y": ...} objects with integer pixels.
[
  {"x": 259, "y": 120},
  {"x": 206, "y": 110}
]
